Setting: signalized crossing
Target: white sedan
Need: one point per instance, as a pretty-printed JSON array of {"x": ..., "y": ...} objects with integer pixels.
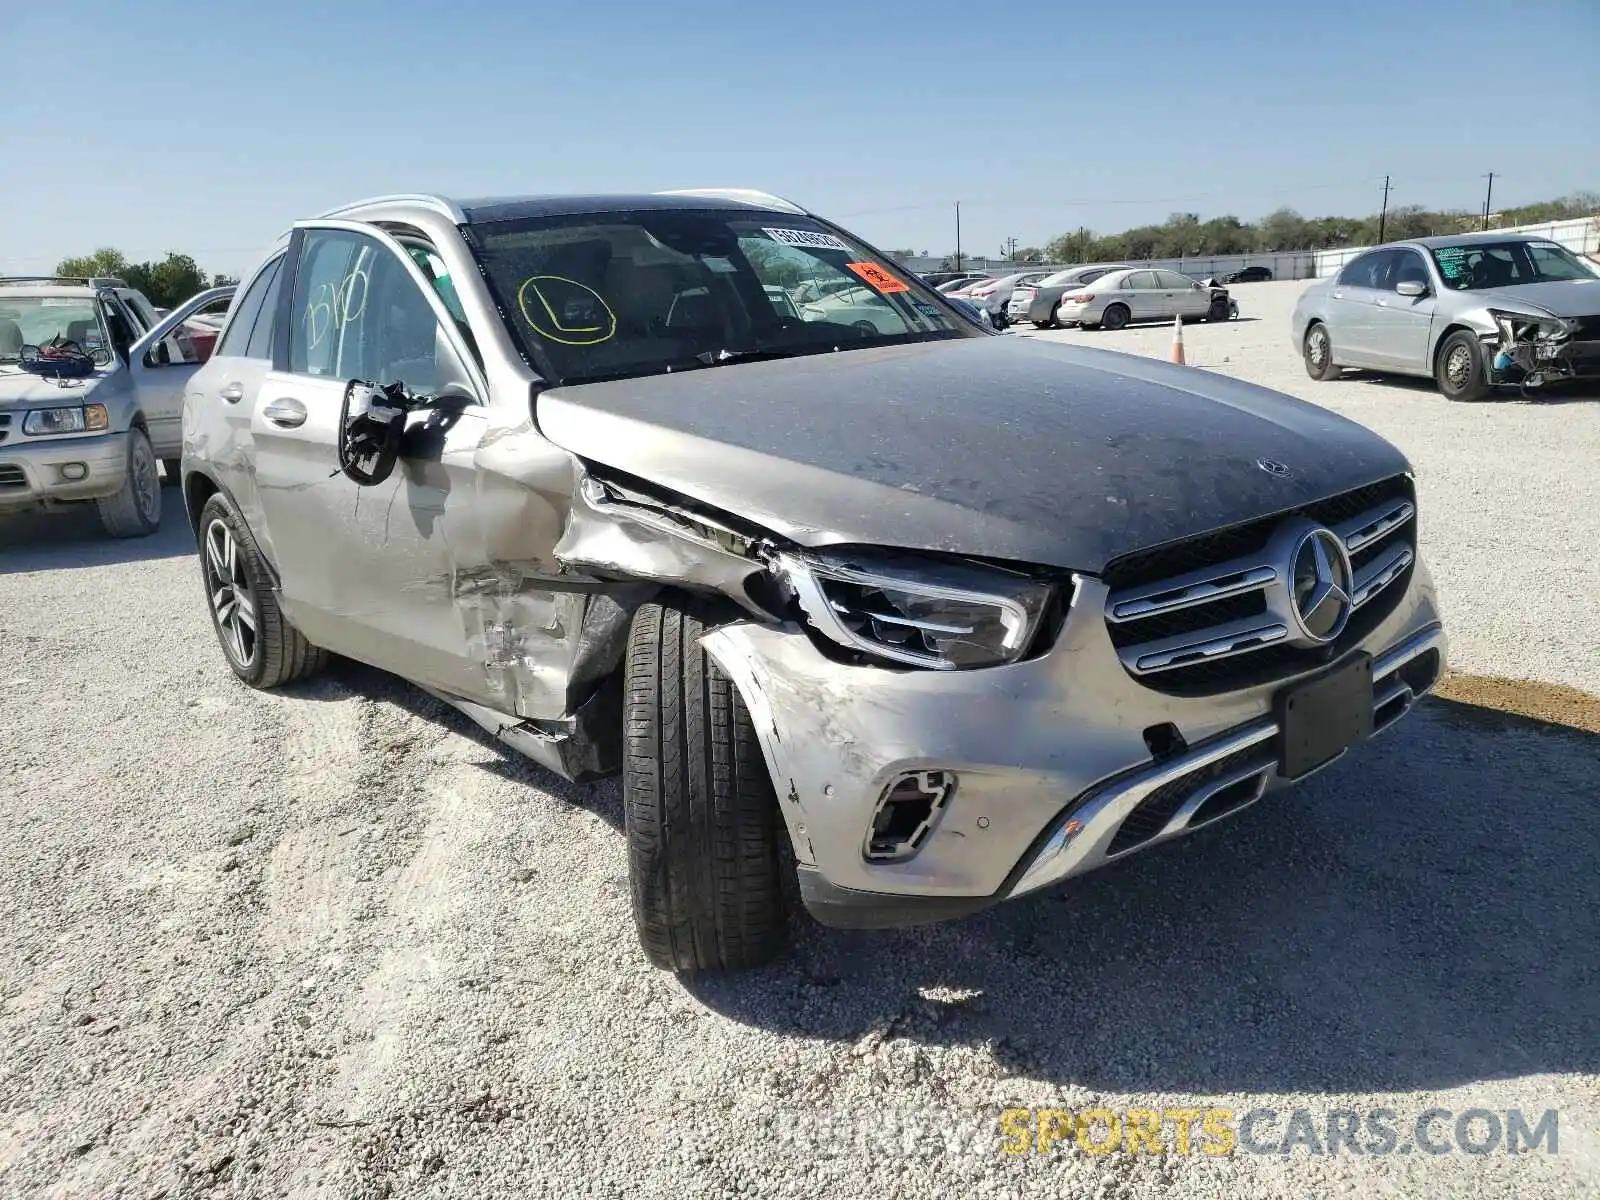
[{"x": 1141, "y": 294}]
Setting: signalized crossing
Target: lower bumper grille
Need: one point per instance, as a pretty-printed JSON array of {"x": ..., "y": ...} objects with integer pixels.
[
  {"x": 11, "y": 476},
  {"x": 1177, "y": 795},
  {"x": 1241, "y": 777}
]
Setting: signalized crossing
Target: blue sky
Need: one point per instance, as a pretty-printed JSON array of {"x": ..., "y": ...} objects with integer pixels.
[{"x": 208, "y": 127}]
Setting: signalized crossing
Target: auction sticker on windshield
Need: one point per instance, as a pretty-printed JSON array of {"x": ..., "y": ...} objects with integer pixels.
[
  {"x": 875, "y": 275},
  {"x": 809, "y": 238}
]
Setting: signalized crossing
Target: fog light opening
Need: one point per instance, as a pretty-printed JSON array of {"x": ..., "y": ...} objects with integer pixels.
[
  {"x": 907, "y": 812},
  {"x": 73, "y": 472}
]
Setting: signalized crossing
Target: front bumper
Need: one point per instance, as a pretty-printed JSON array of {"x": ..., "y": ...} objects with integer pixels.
[
  {"x": 1049, "y": 756},
  {"x": 35, "y": 473}
]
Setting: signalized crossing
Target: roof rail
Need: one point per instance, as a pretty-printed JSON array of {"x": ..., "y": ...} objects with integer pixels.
[
  {"x": 440, "y": 205},
  {"x": 747, "y": 195},
  {"x": 94, "y": 281}
]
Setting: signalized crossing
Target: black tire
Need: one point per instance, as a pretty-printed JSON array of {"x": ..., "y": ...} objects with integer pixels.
[
  {"x": 1116, "y": 316},
  {"x": 276, "y": 653},
  {"x": 1317, "y": 350},
  {"x": 865, "y": 329},
  {"x": 1044, "y": 324},
  {"x": 1219, "y": 311},
  {"x": 172, "y": 466},
  {"x": 135, "y": 509},
  {"x": 702, "y": 820},
  {"x": 1458, "y": 368}
]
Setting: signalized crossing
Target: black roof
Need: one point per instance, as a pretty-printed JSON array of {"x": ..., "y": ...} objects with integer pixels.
[{"x": 514, "y": 208}]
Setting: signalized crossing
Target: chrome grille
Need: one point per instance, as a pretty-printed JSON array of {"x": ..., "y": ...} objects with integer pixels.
[{"x": 1223, "y": 619}]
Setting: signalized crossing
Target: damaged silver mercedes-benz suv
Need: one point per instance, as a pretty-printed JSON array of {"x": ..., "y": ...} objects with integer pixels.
[{"x": 700, "y": 488}]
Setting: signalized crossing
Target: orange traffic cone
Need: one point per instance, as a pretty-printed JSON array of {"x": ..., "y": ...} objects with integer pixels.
[{"x": 1177, "y": 341}]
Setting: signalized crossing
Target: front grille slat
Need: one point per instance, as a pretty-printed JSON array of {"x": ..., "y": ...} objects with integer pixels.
[
  {"x": 12, "y": 477},
  {"x": 1193, "y": 617}
]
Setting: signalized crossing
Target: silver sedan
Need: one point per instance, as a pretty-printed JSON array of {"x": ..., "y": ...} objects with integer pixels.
[
  {"x": 1473, "y": 312},
  {"x": 1141, "y": 294}
]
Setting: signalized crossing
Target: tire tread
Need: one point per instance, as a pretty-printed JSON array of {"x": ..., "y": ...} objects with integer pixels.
[{"x": 700, "y": 810}]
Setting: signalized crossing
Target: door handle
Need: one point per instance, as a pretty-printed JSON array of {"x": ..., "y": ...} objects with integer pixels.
[
  {"x": 1383, "y": 304},
  {"x": 1338, "y": 295},
  {"x": 232, "y": 392},
  {"x": 285, "y": 413}
]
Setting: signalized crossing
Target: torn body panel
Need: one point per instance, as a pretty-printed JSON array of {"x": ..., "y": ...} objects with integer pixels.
[{"x": 544, "y": 578}]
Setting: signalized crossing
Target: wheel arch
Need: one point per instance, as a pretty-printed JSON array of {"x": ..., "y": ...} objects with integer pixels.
[{"x": 1455, "y": 326}]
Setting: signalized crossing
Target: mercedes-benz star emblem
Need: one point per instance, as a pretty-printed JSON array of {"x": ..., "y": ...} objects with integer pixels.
[
  {"x": 1320, "y": 585},
  {"x": 1273, "y": 467}
]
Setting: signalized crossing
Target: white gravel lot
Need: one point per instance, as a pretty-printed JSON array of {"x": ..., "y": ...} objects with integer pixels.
[{"x": 330, "y": 942}]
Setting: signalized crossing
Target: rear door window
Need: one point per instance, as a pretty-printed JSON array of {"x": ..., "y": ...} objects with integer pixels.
[{"x": 1369, "y": 270}]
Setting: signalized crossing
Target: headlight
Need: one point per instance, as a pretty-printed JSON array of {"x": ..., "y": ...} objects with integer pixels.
[
  {"x": 946, "y": 616},
  {"x": 44, "y": 421}
]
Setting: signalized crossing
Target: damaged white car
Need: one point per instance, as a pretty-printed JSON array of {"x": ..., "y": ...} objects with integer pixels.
[{"x": 925, "y": 617}]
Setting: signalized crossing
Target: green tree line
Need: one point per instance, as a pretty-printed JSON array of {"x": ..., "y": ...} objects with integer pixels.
[
  {"x": 166, "y": 284},
  {"x": 1185, "y": 235}
]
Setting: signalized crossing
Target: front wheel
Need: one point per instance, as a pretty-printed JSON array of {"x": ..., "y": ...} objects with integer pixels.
[
  {"x": 1219, "y": 311},
  {"x": 134, "y": 510},
  {"x": 1318, "y": 352},
  {"x": 702, "y": 819},
  {"x": 1459, "y": 368},
  {"x": 1116, "y": 317}
]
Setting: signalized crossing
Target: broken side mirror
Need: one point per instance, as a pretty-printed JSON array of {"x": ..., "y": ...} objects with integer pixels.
[{"x": 1412, "y": 288}]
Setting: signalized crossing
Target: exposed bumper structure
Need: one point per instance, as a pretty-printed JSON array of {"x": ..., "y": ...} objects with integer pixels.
[
  {"x": 1057, "y": 765},
  {"x": 61, "y": 470}
]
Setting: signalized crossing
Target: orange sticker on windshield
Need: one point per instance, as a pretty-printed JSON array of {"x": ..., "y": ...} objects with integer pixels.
[{"x": 879, "y": 278}]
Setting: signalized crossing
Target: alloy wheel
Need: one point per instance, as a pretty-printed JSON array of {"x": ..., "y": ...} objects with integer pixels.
[{"x": 233, "y": 603}]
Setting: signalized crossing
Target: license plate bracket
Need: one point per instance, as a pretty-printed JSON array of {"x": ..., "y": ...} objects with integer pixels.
[{"x": 1320, "y": 718}]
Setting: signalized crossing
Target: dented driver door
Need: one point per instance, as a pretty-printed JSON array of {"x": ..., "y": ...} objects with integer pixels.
[{"x": 370, "y": 572}]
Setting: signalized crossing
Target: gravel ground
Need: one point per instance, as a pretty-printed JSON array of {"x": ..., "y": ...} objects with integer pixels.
[{"x": 330, "y": 942}]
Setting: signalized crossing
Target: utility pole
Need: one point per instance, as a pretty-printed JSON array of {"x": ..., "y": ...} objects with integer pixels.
[
  {"x": 958, "y": 235},
  {"x": 1488, "y": 199},
  {"x": 1383, "y": 213}
]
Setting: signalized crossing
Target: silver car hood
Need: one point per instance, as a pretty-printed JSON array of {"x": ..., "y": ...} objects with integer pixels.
[
  {"x": 1025, "y": 450},
  {"x": 1561, "y": 298},
  {"x": 22, "y": 389}
]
